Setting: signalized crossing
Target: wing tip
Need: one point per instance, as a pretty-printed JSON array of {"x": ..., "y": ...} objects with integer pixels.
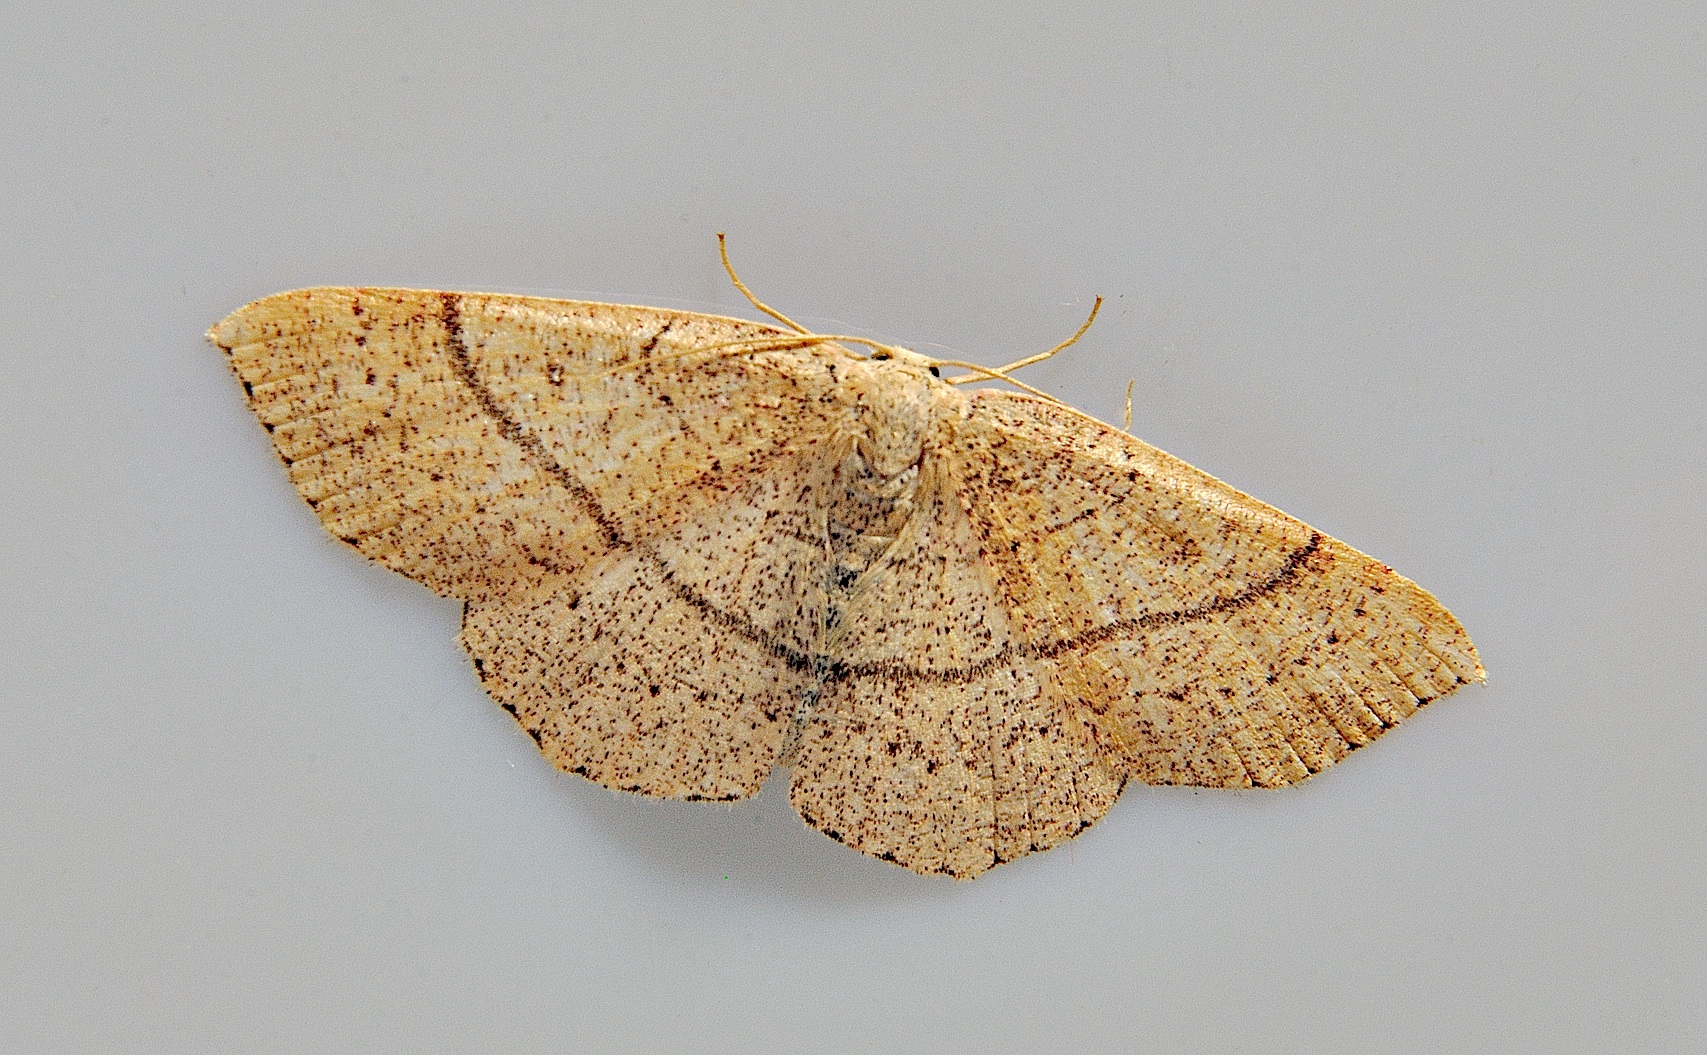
[{"x": 240, "y": 327}]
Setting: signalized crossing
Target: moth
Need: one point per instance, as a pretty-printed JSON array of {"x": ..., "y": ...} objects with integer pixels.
[{"x": 691, "y": 549}]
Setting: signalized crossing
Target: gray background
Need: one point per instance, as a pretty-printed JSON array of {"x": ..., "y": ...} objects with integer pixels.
[{"x": 1427, "y": 275}]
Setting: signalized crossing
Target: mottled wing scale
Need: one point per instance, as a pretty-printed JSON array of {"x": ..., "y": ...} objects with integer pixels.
[{"x": 519, "y": 454}]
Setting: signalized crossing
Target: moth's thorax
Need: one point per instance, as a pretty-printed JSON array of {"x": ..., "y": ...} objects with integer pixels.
[{"x": 897, "y": 409}]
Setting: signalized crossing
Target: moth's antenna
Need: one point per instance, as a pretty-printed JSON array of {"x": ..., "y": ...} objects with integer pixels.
[
  {"x": 805, "y": 340},
  {"x": 723, "y": 251},
  {"x": 1128, "y": 422},
  {"x": 980, "y": 373},
  {"x": 1040, "y": 356}
]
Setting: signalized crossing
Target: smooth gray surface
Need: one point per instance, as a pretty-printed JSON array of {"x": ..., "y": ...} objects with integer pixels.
[{"x": 1430, "y": 276}]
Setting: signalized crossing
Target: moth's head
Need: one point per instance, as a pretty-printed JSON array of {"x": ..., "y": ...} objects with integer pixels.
[
  {"x": 895, "y": 396},
  {"x": 905, "y": 360}
]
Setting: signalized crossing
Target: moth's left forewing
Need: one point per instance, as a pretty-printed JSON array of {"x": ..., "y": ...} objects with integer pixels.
[{"x": 1201, "y": 636}]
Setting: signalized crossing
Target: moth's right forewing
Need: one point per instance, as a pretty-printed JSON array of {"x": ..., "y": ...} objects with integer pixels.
[{"x": 1200, "y": 635}]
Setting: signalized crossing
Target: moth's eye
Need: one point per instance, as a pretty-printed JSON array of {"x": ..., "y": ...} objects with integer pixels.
[
  {"x": 935, "y": 372},
  {"x": 880, "y": 355}
]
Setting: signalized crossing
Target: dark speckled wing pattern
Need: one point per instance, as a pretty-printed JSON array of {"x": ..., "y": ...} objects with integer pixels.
[{"x": 677, "y": 571}]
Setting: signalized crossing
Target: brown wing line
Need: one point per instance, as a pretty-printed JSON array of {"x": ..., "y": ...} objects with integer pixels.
[
  {"x": 827, "y": 668},
  {"x": 463, "y": 363},
  {"x": 450, "y": 304},
  {"x": 1282, "y": 577}
]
